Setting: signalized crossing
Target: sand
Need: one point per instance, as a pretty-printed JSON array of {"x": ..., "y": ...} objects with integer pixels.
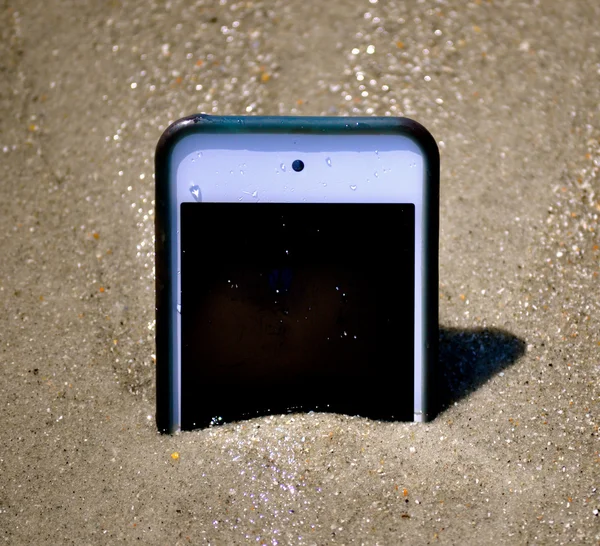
[{"x": 510, "y": 91}]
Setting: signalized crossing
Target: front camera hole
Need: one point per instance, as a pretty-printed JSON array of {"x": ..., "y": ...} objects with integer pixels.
[{"x": 298, "y": 165}]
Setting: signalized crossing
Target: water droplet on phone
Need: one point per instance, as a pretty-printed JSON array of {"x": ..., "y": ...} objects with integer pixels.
[
  {"x": 241, "y": 172},
  {"x": 179, "y": 308},
  {"x": 230, "y": 172},
  {"x": 324, "y": 184},
  {"x": 328, "y": 161},
  {"x": 353, "y": 187},
  {"x": 282, "y": 166},
  {"x": 240, "y": 198},
  {"x": 196, "y": 193},
  {"x": 376, "y": 174},
  {"x": 255, "y": 193},
  {"x": 199, "y": 154}
]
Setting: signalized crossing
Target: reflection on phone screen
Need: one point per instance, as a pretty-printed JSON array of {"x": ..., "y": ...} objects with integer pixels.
[{"x": 296, "y": 307}]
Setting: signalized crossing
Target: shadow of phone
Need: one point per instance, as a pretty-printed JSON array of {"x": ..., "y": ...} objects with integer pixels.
[{"x": 470, "y": 357}]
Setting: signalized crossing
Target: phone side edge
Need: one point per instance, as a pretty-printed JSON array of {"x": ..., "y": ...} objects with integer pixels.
[
  {"x": 167, "y": 399},
  {"x": 430, "y": 386}
]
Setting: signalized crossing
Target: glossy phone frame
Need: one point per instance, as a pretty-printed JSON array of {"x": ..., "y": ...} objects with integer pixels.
[{"x": 167, "y": 416}]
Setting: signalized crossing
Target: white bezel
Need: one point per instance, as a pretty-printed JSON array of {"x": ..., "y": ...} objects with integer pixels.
[{"x": 252, "y": 168}]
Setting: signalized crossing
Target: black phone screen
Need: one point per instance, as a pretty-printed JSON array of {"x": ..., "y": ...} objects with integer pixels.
[{"x": 296, "y": 307}]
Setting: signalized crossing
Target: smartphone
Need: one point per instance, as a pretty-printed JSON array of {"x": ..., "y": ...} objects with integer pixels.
[{"x": 296, "y": 268}]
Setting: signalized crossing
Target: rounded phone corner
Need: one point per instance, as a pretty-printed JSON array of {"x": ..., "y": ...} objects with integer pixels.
[
  {"x": 421, "y": 136},
  {"x": 171, "y": 135}
]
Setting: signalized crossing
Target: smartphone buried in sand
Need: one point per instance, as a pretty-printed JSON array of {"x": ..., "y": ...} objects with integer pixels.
[{"x": 296, "y": 268}]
